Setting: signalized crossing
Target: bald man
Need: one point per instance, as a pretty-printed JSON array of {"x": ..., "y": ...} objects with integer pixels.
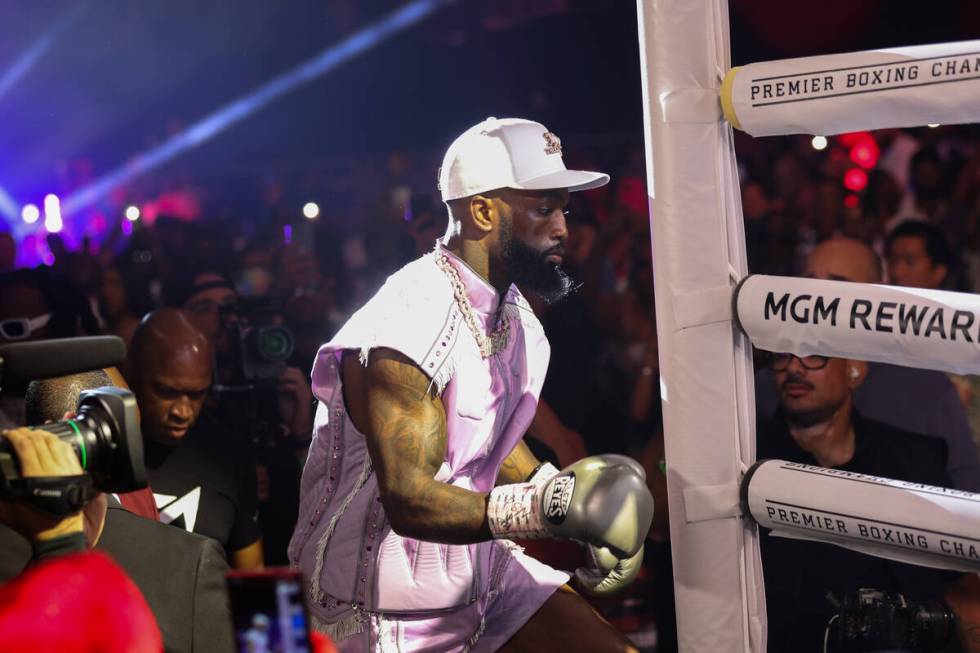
[
  {"x": 921, "y": 401},
  {"x": 202, "y": 477}
]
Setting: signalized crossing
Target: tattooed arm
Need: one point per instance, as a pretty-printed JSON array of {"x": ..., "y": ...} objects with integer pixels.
[
  {"x": 518, "y": 466},
  {"x": 389, "y": 401},
  {"x": 963, "y": 596}
]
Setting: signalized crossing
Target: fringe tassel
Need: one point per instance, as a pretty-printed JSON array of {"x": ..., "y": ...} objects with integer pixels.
[
  {"x": 316, "y": 593},
  {"x": 445, "y": 374},
  {"x": 349, "y": 626}
]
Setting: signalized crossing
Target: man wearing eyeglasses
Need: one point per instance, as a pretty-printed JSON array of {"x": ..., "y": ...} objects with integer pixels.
[
  {"x": 918, "y": 400},
  {"x": 817, "y": 424}
]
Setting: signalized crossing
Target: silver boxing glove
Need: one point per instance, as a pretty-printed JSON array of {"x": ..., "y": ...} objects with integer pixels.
[{"x": 599, "y": 500}]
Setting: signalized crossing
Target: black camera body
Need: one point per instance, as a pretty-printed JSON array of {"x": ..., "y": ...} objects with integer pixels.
[
  {"x": 259, "y": 348},
  {"x": 873, "y": 620},
  {"x": 106, "y": 438}
]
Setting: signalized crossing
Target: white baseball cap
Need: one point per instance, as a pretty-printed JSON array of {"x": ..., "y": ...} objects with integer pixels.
[{"x": 509, "y": 153}]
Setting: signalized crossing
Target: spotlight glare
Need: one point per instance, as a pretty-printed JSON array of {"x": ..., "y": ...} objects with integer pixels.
[
  {"x": 819, "y": 142},
  {"x": 219, "y": 120},
  {"x": 932, "y": 125},
  {"x": 52, "y": 213},
  {"x": 30, "y": 213},
  {"x": 132, "y": 213},
  {"x": 311, "y": 210}
]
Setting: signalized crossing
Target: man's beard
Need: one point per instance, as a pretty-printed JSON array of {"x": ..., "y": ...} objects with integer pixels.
[{"x": 528, "y": 268}]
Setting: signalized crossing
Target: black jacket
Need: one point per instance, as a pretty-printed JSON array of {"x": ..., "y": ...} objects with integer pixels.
[{"x": 180, "y": 574}]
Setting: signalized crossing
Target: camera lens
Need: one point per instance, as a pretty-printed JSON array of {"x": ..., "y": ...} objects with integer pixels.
[
  {"x": 274, "y": 343},
  {"x": 106, "y": 437}
]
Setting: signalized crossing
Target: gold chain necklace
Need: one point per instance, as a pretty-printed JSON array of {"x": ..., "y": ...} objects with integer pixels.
[{"x": 498, "y": 338}]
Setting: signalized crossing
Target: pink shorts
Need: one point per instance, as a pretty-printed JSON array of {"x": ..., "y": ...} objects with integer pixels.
[{"x": 519, "y": 585}]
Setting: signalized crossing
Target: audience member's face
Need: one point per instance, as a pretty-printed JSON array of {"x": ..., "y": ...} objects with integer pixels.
[
  {"x": 581, "y": 240},
  {"x": 927, "y": 177},
  {"x": 755, "y": 204},
  {"x": 909, "y": 264},
  {"x": 22, "y": 303},
  {"x": 170, "y": 388},
  {"x": 842, "y": 260},
  {"x": 204, "y": 308},
  {"x": 112, "y": 293},
  {"x": 812, "y": 396}
]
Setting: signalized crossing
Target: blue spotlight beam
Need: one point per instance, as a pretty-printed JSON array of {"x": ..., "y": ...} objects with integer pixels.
[
  {"x": 23, "y": 64},
  {"x": 9, "y": 207},
  {"x": 231, "y": 113}
]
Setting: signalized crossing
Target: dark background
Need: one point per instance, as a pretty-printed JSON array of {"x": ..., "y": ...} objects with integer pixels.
[{"x": 120, "y": 77}]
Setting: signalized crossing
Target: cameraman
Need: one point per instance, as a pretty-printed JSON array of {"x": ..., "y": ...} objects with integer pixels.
[
  {"x": 205, "y": 298},
  {"x": 276, "y": 413},
  {"x": 180, "y": 574},
  {"x": 57, "y": 606}
]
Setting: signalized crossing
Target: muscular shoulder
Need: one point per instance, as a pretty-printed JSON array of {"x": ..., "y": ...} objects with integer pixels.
[
  {"x": 413, "y": 292},
  {"x": 414, "y": 314}
]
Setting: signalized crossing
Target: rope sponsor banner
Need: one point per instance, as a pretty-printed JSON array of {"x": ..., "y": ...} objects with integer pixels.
[
  {"x": 931, "y": 329},
  {"x": 910, "y": 522},
  {"x": 900, "y": 87}
]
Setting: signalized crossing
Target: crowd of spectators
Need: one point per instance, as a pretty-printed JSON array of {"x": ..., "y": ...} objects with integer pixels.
[{"x": 914, "y": 201}]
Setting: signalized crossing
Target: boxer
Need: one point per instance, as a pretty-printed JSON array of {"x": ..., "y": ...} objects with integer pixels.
[{"x": 418, "y": 476}]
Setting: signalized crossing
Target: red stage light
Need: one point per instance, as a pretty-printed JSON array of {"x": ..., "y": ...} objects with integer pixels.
[
  {"x": 855, "y": 179},
  {"x": 865, "y": 153},
  {"x": 851, "y": 201}
]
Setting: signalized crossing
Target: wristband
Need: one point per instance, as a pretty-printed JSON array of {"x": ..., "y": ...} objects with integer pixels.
[
  {"x": 542, "y": 473},
  {"x": 514, "y": 511}
]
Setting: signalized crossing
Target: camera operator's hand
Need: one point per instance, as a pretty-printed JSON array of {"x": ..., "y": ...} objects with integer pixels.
[
  {"x": 296, "y": 403},
  {"x": 40, "y": 454}
]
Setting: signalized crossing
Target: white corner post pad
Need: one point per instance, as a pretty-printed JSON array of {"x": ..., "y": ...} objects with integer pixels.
[
  {"x": 898, "y": 520},
  {"x": 709, "y": 502},
  {"x": 514, "y": 511}
]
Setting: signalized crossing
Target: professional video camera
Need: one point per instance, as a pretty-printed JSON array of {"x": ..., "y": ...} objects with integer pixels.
[
  {"x": 259, "y": 348},
  {"x": 247, "y": 376},
  {"x": 872, "y": 620},
  {"x": 105, "y": 433}
]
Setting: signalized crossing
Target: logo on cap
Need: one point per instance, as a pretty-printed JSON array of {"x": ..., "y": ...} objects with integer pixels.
[{"x": 552, "y": 143}]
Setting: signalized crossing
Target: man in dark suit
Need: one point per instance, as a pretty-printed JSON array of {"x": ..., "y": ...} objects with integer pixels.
[{"x": 180, "y": 574}]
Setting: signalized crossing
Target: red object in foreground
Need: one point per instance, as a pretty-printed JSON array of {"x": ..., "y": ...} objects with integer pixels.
[
  {"x": 321, "y": 643},
  {"x": 80, "y": 603}
]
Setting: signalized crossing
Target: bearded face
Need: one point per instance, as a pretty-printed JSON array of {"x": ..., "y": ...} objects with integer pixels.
[{"x": 537, "y": 270}]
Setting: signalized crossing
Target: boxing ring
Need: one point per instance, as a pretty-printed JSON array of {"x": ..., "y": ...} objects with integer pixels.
[{"x": 710, "y": 313}]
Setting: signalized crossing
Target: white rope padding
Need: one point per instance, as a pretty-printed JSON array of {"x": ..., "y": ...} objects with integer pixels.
[
  {"x": 900, "y": 87},
  {"x": 932, "y": 329},
  {"x": 899, "y": 520}
]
